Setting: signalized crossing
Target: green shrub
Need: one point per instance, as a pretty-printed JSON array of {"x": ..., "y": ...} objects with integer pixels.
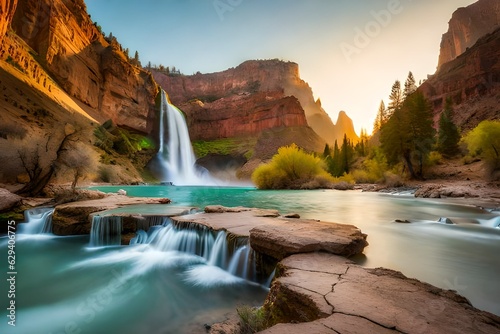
[
  {"x": 252, "y": 320},
  {"x": 290, "y": 168},
  {"x": 435, "y": 158},
  {"x": 484, "y": 141}
]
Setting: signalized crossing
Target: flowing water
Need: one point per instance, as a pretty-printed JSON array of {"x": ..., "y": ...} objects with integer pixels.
[
  {"x": 175, "y": 152},
  {"x": 165, "y": 284}
]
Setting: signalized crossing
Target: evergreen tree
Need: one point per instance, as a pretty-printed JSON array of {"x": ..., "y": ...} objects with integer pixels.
[
  {"x": 126, "y": 51},
  {"x": 326, "y": 151},
  {"x": 381, "y": 117},
  {"x": 395, "y": 99},
  {"x": 410, "y": 86},
  {"x": 334, "y": 164},
  {"x": 409, "y": 135},
  {"x": 346, "y": 155},
  {"x": 136, "y": 60},
  {"x": 448, "y": 134},
  {"x": 362, "y": 146}
]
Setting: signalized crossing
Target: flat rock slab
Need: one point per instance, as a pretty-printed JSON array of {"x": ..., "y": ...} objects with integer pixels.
[
  {"x": 279, "y": 237},
  {"x": 338, "y": 296},
  {"x": 73, "y": 218},
  {"x": 287, "y": 237}
]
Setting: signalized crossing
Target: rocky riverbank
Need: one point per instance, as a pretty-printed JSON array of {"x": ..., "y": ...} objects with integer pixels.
[
  {"x": 317, "y": 291},
  {"x": 316, "y": 288}
]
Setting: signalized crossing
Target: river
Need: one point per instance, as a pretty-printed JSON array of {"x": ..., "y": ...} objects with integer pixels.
[{"x": 64, "y": 286}]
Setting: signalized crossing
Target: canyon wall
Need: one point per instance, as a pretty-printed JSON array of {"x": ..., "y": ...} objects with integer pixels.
[
  {"x": 247, "y": 99},
  {"x": 466, "y": 26},
  {"x": 7, "y": 9},
  {"x": 60, "y": 37},
  {"x": 472, "y": 79}
]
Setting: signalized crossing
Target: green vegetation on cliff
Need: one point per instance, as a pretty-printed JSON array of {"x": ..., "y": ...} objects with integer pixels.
[{"x": 225, "y": 146}]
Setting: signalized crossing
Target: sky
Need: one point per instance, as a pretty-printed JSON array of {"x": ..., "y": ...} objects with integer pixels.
[{"x": 350, "y": 52}]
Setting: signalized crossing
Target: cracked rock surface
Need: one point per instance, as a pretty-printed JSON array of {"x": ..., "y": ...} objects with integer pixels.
[{"x": 330, "y": 294}]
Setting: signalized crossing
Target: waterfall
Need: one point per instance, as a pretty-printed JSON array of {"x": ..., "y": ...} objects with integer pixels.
[
  {"x": 38, "y": 221},
  {"x": 175, "y": 152},
  {"x": 106, "y": 231},
  {"x": 204, "y": 242}
]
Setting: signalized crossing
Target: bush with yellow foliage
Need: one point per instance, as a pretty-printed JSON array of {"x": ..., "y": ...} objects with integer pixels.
[{"x": 292, "y": 168}]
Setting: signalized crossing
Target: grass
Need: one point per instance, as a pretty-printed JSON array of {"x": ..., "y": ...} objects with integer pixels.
[
  {"x": 225, "y": 146},
  {"x": 252, "y": 319}
]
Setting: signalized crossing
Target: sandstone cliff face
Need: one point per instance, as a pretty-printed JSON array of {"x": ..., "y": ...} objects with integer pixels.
[
  {"x": 7, "y": 9},
  {"x": 466, "y": 26},
  {"x": 243, "y": 115},
  {"x": 252, "y": 90},
  {"x": 472, "y": 80},
  {"x": 76, "y": 55}
]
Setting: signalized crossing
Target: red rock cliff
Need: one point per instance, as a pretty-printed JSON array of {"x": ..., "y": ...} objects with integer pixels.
[
  {"x": 466, "y": 26},
  {"x": 70, "y": 48},
  {"x": 472, "y": 80},
  {"x": 7, "y": 9},
  {"x": 257, "y": 92}
]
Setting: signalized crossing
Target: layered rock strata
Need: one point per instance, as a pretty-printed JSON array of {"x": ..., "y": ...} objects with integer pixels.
[
  {"x": 466, "y": 26},
  {"x": 250, "y": 92},
  {"x": 472, "y": 81},
  {"x": 63, "y": 42}
]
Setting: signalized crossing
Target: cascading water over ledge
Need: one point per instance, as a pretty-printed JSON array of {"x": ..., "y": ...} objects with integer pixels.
[
  {"x": 38, "y": 221},
  {"x": 232, "y": 255},
  {"x": 175, "y": 156},
  {"x": 106, "y": 231}
]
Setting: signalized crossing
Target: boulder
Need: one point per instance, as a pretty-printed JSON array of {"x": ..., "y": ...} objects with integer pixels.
[{"x": 8, "y": 200}]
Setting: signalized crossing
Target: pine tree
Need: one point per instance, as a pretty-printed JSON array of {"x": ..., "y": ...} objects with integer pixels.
[
  {"x": 408, "y": 135},
  {"x": 136, "y": 60},
  {"x": 448, "y": 134},
  {"x": 326, "y": 151},
  {"x": 395, "y": 99},
  {"x": 334, "y": 164},
  {"x": 410, "y": 86},
  {"x": 346, "y": 155},
  {"x": 362, "y": 146},
  {"x": 381, "y": 117}
]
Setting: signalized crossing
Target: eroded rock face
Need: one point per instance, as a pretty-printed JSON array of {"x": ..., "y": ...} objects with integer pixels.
[
  {"x": 8, "y": 8},
  {"x": 472, "y": 81},
  {"x": 256, "y": 93},
  {"x": 333, "y": 295},
  {"x": 88, "y": 68},
  {"x": 466, "y": 26}
]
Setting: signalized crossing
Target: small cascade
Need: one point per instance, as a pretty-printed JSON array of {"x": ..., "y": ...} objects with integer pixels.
[
  {"x": 243, "y": 263},
  {"x": 38, "y": 221},
  {"x": 150, "y": 221},
  {"x": 106, "y": 231},
  {"x": 175, "y": 154},
  {"x": 204, "y": 242}
]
